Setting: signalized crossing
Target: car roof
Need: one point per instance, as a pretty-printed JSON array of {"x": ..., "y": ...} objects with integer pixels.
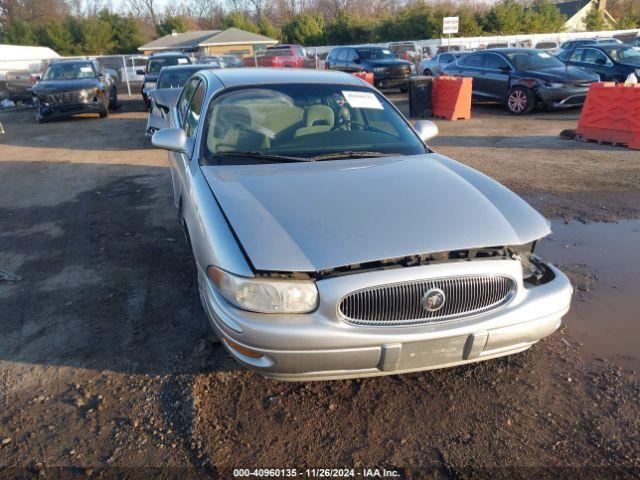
[
  {"x": 168, "y": 54},
  {"x": 189, "y": 66},
  {"x": 508, "y": 50},
  {"x": 71, "y": 60},
  {"x": 240, "y": 77}
]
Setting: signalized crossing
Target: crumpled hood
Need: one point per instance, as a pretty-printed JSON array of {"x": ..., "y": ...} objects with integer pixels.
[
  {"x": 299, "y": 217},
  {"x": 563, "y": 75},
  {"x": 53, "y": 86}
]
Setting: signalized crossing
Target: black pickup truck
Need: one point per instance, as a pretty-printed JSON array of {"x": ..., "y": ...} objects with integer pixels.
[{"x": 69, "y": 87}]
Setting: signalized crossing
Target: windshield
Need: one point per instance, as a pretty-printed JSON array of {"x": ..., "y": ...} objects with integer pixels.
[
  {"x": 533, "y": 60},
  {"x": 175, "y": 78},
  {"x": 374, "y": 54},
  {"x": 305, "y": 121},
  {"x": 624, "y": 55},
  {"x": 69, "y": 71},
  {"x": 156, "y": 64}
]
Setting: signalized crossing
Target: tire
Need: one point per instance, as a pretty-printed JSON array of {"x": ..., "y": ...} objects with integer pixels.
[
  {"x": 104, "y": 113},
  {"x": 427, "y": 73},
  {"x": 520, "y": 100},
  {"x": 404, "y": 89}
]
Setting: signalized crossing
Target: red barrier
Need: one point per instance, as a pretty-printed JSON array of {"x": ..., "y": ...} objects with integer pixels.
[
  {"x": 610, "y": 114},
  {"x": 367, "y": 77},
  {"x": 451, "y": 98}
]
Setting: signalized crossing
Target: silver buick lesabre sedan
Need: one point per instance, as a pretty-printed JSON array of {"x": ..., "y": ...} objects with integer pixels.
[{"x": 332, "y": 242}]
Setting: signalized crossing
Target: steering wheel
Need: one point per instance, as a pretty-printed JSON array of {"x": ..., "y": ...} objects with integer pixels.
[{"x": 351, "y": 122}]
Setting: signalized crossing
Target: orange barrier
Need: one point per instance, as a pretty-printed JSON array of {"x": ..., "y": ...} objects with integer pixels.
[
  {"x": 451, "y": 98},
  {"x": 367, "y": 77},
  {"x": 610, "y": 114}
]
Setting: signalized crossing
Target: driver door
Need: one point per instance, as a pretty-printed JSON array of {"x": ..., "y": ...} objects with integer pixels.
[{"x": 184, "y": 114}]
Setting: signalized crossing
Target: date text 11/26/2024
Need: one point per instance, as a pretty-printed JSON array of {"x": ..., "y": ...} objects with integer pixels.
[{"x": 315, "y": 473}]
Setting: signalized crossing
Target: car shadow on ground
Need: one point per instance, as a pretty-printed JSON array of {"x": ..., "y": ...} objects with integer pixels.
[
  {"x": 97, "y": 133},
  {"x": 103, "y": 278}
]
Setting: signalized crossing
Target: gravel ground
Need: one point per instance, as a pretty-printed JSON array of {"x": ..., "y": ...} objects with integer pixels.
[{"x": 107, "y": 367}]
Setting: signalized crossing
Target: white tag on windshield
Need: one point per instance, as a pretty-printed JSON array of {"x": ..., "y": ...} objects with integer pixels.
[
  {"x": 182, "y": 61},
  {"x": 362, "y": 100},
  {"x": 544, "y": 55},
  {"x": 86, "y": 69}
]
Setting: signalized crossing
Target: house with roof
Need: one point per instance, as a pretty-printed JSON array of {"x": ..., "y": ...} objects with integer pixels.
[
  {"x": 577, "y": 11},
  {"x": 211, "y": 42}
]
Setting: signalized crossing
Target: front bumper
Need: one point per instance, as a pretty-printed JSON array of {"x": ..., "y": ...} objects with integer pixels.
[
  {"x": 320, "y": 346},
  {"x": 382, "y": 81},
  {"x": 565, "y": 97},
  {"x": 68, "y": 109}
]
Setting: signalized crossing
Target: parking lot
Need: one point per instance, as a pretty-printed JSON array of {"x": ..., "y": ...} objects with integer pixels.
[{"x": 107, "y": 363}]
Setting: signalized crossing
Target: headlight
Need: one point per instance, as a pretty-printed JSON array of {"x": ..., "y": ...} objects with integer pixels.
[
  {"x": 554, "y": 85},
  {"x": 413, "y": 68},
  {"x": 265, "y": 295},
  {"x": 379, "y": 69}
]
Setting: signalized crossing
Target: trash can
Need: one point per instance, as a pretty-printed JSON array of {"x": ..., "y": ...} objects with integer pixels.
[{"x": 420, "y": 96}]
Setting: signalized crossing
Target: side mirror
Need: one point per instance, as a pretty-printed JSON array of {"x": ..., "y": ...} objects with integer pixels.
[
  {"x": 426, "y": 130},
  {"x": 505, "y": 69},
  {"x": 140, "y": 71},
  {"x": 600, "y": 61},
  {"x": 172, "y": 139},
  {"x": 356, "y": 60}
]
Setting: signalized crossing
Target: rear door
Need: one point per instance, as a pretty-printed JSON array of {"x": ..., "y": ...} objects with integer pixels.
[
  {"x": 341, "y": 64},
  {"x": 598, "y": 62},
  {"x": 495, "y": 80},
  {"x": 473, "y": 66}
]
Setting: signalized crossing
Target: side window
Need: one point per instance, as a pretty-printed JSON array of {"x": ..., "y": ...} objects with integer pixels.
[
  {"x": 576, "y": 55},
  {"x": 352, "y": 55},
  {"x": 342, "y": 55},
  {"x": 494, "y": 62},
  {"x": 594, "y": 56},
  {"x": 474, "y": 60},
  {"x": 185, "y": 98},
  {"x": 193, "y": 112},
  {"x": 445, "y": 58},
  {"x": 332, "y": 55}
]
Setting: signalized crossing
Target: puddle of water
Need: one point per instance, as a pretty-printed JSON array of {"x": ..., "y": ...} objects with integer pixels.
[{"x": 606, "y": 319}]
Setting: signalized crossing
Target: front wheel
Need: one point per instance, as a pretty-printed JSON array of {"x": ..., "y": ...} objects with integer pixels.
[
  {"x": 427, "y": 73},
  {"x": 520, "y": 100}
]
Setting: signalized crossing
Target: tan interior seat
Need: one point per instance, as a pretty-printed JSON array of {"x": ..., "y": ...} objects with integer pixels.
[
  {"x": 232, "y": 131},
  {"x": 317, "y": 118}
]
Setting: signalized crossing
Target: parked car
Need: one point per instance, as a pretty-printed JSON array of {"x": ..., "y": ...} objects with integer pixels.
[
  {"x": 612, "y": 62},
  {"x": 433, "y": 66},
  {"x": 388, "y": 71},
  {"x": 154, "y": 64},
  {"x": 70, "y": 87},
  {"x": 285, "y": 56},
  {"x": 581, "y": 42},
  {"x": 523, "y": 78},
  {"x": 409, "y": 51},
  {"x": 133, "y": 74},
  {"x": 212, "y": 60},
  {"x": 331, "y": 242},
  {"x": 168, "y": 88},
  {"x": 231, "y": 61},
  {"x": 636, "y": 42}
]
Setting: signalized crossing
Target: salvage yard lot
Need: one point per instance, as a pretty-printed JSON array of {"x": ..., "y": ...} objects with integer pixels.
[{"x": 107, "y": 363}]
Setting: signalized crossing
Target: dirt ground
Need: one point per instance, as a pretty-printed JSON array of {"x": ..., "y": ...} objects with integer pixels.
[{"x": 107, "y": 367}]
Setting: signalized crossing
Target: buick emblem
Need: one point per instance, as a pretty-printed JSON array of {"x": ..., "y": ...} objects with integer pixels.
[{"x": 433, "y": 300}]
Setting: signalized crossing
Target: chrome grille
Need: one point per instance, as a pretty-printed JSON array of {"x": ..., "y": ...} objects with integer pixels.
[
  {"x": 61, "y": 98},
  {"x": 401, "y": 303}
]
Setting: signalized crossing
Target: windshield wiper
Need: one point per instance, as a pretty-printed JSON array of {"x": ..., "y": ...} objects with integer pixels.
[
  {"x": 349, "y": 154},
  {"x": 263, "y": 156}
]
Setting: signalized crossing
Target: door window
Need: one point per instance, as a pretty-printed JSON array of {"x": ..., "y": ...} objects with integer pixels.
[
  {"x": 576, "y": 55},
  {"x": 193, "y": 112},
  {"x": 495, "y": 62},
  {"x": 352, "y": 55},
  {"x": 185, "y": 98},
  {"x": 445, "y": 58},
  {"x": 594, "y": 57},
  {"x": 342, "y": 56},
  {"x": 474, "y": 60}
]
